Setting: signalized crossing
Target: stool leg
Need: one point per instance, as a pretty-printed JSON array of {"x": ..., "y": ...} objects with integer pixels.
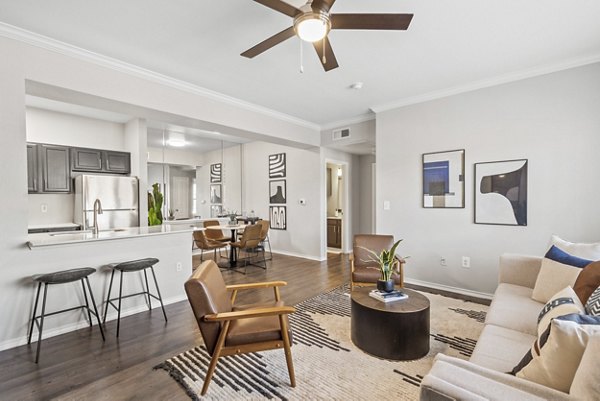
[
  {"x": 108, "y": 297},
  {"x": 37, "y": 298},
  {"x": 87, "y": 304},
  {"x": 95, "y": 309},
  {"x": 158, "y": 291},
  {"x": 148, "y": 290},
  {"x": 120, "y": 297},
  {"x": 39, "y": 344}
]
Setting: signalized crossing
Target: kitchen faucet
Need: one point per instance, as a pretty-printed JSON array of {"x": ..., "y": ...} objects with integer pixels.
[{"x": 97, "y": 210}]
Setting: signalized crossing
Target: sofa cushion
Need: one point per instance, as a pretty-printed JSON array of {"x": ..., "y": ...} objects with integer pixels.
[
  {"x": 592, "y": 305},
  {"x": 513, "y": 308},
  {"x": 581, "y": 250},
  {"x": 586, "y": 383},
  {"x": 559, "y": 269},
  {"x": 587, "y": 281},
  {"x": 562, "y": 303},
  {"x": 554, "y": 358},
  {"x": 499, "y": 348}
]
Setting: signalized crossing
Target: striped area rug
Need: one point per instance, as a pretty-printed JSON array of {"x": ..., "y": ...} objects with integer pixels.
[{"x": 327, "y": 364}]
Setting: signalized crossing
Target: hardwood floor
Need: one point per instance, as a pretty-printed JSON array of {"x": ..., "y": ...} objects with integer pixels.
[{"x": 78, "y": 366}]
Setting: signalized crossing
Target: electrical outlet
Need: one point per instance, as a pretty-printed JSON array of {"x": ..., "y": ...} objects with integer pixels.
[
  {"x": 178, "y": 266},
  {"x": 386, "y": 205},
  {"x": 443, "y": 262},
  {"x": 466, "y": 262},
  {"x": 44, "y": 208}
]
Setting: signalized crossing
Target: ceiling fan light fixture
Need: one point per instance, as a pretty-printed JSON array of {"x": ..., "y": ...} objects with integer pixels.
[{"x": 312, "y": 27}]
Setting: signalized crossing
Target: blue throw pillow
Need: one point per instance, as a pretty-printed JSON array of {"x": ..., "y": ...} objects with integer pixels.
[{"x": 561, "y": 256}]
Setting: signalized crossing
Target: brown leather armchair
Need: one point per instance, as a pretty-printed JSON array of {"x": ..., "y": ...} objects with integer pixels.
[
  {"x": 364, "y": 271},
  {"x": 228, "y": 329}
]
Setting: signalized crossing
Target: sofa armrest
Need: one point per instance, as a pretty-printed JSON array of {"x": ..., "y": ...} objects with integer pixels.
[
  {"x": 519, "y": 269},
  {"x": 458, "y": 379}
]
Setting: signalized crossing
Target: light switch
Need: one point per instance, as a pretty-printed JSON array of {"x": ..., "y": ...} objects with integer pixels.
[
  {"x": 386, "y": 205},
  {"x": 44, "y": 208}
]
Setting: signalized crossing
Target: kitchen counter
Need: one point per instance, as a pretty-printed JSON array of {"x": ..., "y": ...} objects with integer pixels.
[
  {"x": 55, "y": 225},
  {"x": 74, "y": 237}
]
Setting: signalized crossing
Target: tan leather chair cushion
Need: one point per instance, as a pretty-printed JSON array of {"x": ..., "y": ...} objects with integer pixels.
[
  {"x": 252, "y": 330},
  {"x": 367, "y": 275},
  {"x": 375, "y": 243},
  {"x": 208, "y": 294}
]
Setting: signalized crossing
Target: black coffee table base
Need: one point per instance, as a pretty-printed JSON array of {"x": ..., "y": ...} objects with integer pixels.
[{"x": 390, "y": 335}]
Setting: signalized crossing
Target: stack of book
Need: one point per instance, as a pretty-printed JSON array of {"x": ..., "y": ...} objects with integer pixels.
[{"x": 382, "y": 296}]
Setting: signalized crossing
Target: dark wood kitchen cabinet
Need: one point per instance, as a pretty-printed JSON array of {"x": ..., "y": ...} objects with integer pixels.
[
  {"x": 334, "y": 233},
  {"x": 55, "y": 167},
  {"x": 86, "y": 159},
  {"x": 33, "y": 176},
  {"x": 117, "y": 162},
  {"x": 100, "y": 161}
]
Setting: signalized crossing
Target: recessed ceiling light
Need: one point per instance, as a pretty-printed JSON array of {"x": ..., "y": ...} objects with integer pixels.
[
  {"x": 176, "y": 140},
  {"x": 356, "y": 86}
]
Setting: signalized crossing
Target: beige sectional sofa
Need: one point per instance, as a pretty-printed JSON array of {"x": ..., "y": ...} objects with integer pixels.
[{"x": 509, "y": 332}]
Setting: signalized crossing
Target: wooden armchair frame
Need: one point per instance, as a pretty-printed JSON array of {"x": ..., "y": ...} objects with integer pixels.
[{"x": 227, "y": 317}]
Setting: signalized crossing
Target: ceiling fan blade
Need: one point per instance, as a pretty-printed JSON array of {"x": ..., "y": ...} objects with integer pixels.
[
  {"x": 330, "y": 60},
  {"x": 371, "y": 21},
  {"x": 280, "y": 6},
  {"x": 268, "y": 43},
  {"x": 324, "y": 5}
]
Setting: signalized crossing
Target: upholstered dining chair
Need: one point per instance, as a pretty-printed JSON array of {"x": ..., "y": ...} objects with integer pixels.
[
  {"x": 215, "y": 235},
  {"x": 249, "y": 243},
  {"x": 364, "y": 271},
  {"x": 205, "y": 244},
  {"x": 264, "y": 237},
  {"x": 230, "y": 330}
]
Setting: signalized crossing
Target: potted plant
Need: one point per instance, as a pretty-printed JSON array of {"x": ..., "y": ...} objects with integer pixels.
[{"x": 388, "y": 264}]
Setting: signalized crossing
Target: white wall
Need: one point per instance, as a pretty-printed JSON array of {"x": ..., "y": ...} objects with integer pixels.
[
  {"x": 302, "y": 237},
  {"x": 366, "y": 206},
  {"x": 174, "y": 156},
  {"x": 552, "y": 120}
]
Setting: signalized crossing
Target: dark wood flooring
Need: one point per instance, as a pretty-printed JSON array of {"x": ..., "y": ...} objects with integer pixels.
[{"x": 78, "y": 366}]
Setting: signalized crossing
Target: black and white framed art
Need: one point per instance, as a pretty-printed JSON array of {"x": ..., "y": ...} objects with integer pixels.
[
  {"x": 216, "y": 210},
  {"x": 215, "y": 193},
  {"x": 215, "y": 172},
  {"x": 444, "y": 179},
  {"x": 501, "y": 192},
  {"x": 277, "y": 165},
  {"x": 278, "y": 217},
  {"x": 277, "y": 191}
]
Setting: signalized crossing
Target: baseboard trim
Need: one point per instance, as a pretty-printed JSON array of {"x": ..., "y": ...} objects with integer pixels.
[
  {"x": 441, "y": 287},
  {"x": 17, "y": 342},
  {"x": 298, "y": 255}
]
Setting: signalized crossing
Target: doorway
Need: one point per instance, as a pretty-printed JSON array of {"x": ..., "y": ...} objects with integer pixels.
[{"x": 336, "y": 202}]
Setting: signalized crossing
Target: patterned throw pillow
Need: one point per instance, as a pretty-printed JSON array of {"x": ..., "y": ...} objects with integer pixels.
[
  {"x": 593, "y": 303},
  {"x": 554, "y": 358},
  {"x": 559, "y": 270},
  {"x": 562, "y": 303}
]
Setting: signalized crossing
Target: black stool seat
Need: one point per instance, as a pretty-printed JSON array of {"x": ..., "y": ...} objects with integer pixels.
[
  {"x": 65, "y": 276},
  {"x": 62, "y": 277},
  {"x": 135, "y": 265}
]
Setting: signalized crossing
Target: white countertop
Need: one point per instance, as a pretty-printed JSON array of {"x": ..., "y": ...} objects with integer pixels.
[
  {"x": 54, "y": 225},
  {"x": 73, "y": 237}
]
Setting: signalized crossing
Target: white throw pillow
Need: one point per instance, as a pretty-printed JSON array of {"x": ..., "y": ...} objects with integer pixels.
[
  {"x": 555, "y": 356},
  {"x": 581, "y": 250},
  {"x": 586, "y": 383},
  {"x": 562, "y": 303}
]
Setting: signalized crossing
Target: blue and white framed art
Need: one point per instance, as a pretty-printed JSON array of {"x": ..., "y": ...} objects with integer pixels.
[
  {"x": 501, "y": 192},
  {"x": 444, "y": 179}
]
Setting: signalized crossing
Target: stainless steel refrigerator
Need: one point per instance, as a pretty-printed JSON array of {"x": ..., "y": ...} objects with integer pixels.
[{"x": 118, "y": 196}]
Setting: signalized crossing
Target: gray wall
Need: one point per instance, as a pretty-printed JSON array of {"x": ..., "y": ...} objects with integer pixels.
[
  {"x": 552, "y": 120},
  {"x": 366, "y": 207}
]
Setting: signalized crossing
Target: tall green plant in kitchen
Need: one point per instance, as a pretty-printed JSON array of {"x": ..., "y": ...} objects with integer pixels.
[{"x": 155, "y": 202}]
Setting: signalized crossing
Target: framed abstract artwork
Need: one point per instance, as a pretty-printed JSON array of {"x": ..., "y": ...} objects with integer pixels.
[
  {"x": 277, "y": 191},
  {"x": 216, "y": 210},
  {"x": 215, "y": 194},
  {"x": 501, "y": 192},
  {"x": 278, "y": 217},
  {"x": 444, "y": 179},
  {"x": 277, "y": 165},
  {"x": 216, "y": 172}
]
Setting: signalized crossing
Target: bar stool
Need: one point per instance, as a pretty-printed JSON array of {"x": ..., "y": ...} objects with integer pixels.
[
  {"x": 62, "y": 277},
  {"x": 133, "y": 266}
]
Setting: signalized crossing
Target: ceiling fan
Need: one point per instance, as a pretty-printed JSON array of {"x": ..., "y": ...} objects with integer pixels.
[{"x": 313, "y": 21}]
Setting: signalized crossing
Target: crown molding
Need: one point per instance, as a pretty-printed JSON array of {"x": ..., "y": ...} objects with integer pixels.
[
  {"x": 350, "y": 121},
  {"x": 47, "y": 43},
  {"x": 486, "y": 83}
]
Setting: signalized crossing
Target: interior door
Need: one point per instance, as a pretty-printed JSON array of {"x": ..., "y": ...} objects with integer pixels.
[{"x": 180, "y": 197}]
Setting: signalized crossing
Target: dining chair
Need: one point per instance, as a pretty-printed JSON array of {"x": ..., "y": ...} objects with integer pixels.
[
  {"x": 249, "y": 242},
  {"x": 264, "y": 237},
  {"x": 205, "y": 244},
  {"x": 215, "y": 235},
  {"x": 229, "y": 329}
]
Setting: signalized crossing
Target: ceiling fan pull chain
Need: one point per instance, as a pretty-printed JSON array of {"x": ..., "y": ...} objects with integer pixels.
[
  {"x": 324, "y": 58},
  {"x": 301, "y": 58}
]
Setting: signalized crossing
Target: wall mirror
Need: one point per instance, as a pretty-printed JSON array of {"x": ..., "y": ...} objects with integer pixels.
[{"x": 444, "y": 179}]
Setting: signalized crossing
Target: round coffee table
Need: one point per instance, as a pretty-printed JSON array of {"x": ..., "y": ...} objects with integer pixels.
[{"x": 397, "y": 330}]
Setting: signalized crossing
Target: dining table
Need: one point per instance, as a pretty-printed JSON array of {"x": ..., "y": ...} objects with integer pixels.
[{"x": 233, "y": 228}]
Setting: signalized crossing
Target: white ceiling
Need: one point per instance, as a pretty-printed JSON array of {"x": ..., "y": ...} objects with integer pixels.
[{"x": 449, "y": 44}]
